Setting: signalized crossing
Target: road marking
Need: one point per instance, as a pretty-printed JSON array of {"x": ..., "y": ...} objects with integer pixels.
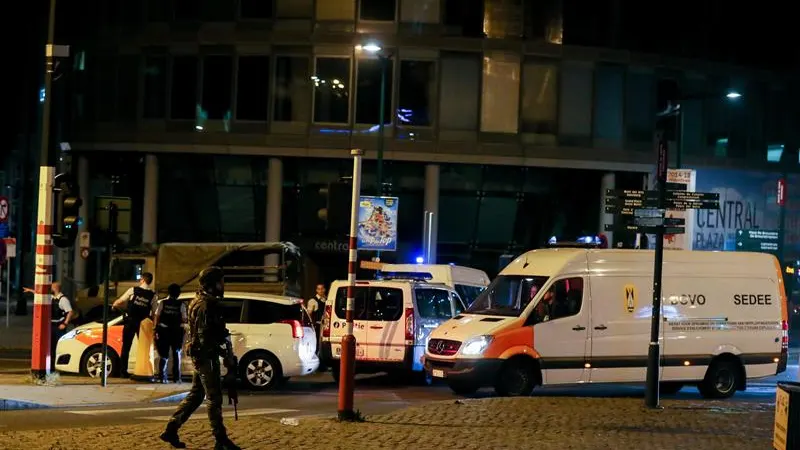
[
  {"x": 99, "y": 412},
  {"x": 229, "y": 414}
]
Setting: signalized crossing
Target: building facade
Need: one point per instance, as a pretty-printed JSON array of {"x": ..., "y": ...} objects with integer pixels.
[{"x": 221, "y": 120}]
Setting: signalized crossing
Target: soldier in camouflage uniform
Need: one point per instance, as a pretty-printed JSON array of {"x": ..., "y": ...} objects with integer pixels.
[{"x": 209, "y": 340}]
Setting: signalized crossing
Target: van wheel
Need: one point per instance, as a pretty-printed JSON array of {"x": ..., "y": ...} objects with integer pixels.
[
  {"x": 462, "y": 388},
  {"x": 670, "y": 388},
  {"x": 260, "y": 371},
  {"x": 516, "y": 379},
  {"x": 721, "y": 380}
]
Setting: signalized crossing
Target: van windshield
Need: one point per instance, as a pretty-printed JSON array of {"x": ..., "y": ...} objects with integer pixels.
[{"x": 508, "y": 295}]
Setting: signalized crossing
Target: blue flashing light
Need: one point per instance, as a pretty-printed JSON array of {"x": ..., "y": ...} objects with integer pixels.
[
  {"x": 552, "y": 240},
  {"x": 420, "y": 260}
]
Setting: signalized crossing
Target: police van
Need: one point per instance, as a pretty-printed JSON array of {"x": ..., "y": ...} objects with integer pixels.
[
  {"x": 574, "y": 316},
  {"x": 392, "y": 321},
  {"x": 468, "y": 282}
]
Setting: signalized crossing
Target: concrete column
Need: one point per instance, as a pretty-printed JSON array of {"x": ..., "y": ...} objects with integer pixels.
[
  {"x": 431, "y": 204},
  {"x": 608, "y": 182},
  {"x": 274, "y": 199},
  {"x": 79, "y": 266},
  {"x": 150, "y": 213}
]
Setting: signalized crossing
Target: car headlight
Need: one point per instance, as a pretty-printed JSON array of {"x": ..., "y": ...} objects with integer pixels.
[
  {"x": 476, "y": 345},
  {"x": 72, "y": 334}
]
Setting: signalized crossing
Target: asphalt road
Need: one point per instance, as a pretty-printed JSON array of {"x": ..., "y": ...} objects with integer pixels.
[{"x": 317, "y": 396}]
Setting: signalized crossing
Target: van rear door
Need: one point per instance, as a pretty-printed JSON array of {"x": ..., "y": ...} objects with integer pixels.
[
  {"x": 339, "y": 325},
  {"x": 385, "y": 333}
]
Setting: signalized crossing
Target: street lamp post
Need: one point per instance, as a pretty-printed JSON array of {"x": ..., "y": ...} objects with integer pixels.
[{"x": 383, "y": 57}]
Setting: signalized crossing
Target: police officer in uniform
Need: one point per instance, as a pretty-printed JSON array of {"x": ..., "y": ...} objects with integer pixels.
[
  {"x": 209, "y": 339},
  {"x": 169, "y": 319},
  {"x": 138, "y": 304},
  {"x": 60, "y": 316}
]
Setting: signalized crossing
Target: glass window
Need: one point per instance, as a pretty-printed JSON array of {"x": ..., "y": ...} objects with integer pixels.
[
  {"x": 186, "y": 9},
  {"x": 256, "y": 9},
  {"x": 331, "y": 90},
  {"x": 252, "y": 88},
  {"x": 218, "y": 10},
  {"x": 420, "y": 11},
  {"x": 461, "y": 88},
  {"x": 458, "y": 304},
  {"x": 158, "y": 11},
  {"x": 217, "y": 76},
  {"x": 378, "y": 10},
  {"x": 563, "y": 299},
  {"x": 372, "y": 303},
  {"x": 368, "y": 95},
  {"x": 184, "y": 87},
  {"x": 500, "y": 94},
  {"x": 335, "y": 10},
  {"x": 609, "y": 97},
  {"x": 155, "y": 87},
  {"x": 106, "y": 87},
  {"x": 540, "y": 97},
  {"x": 508, "y": 295},
  {"x": 469, "y": 293},
  {"x": 464, "y": 17},
  {"x": 128, "y": 87},
  {"x": 265, "y": 312},
  {"x": 575, "y": 119},
  {"x": 640, "y": 107},
  {"x": 292, "y": 89},
  {"x": 128, "y": 269},
  {"x": 417, "y": 92},
  {"x": 231, "y": 310},
  {"x": 433, "y": 303}
]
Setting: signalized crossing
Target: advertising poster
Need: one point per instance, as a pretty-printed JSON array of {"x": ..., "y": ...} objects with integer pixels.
[
  {"x": 748, "y": 201},
  {"x": 377, "y": 223},
  {"x": 686, "y": 177}
]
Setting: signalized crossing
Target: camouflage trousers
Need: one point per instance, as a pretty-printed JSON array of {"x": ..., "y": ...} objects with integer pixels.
[{"x": 206, "y": 383}]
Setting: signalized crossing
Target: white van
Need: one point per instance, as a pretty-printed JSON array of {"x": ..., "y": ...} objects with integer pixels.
[
  {"x": 572, "y": 316},
  {"x": 392, "y": 322},
  {"x": 468, "y": 282}
]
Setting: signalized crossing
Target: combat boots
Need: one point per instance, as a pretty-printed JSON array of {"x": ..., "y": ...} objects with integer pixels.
[
  {"x": 226, "y": 444},
  {"x": 170, "y": 436}
]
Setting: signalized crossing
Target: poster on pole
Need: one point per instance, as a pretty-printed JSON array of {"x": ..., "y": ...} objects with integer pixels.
[
  {"x": 687, "y": 178},
  {"x": 377, "y": 223}
]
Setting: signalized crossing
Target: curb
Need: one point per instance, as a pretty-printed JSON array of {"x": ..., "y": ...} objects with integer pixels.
[
  {"x": 172, "y": 398},
  {"x": 16, "y": 405}
]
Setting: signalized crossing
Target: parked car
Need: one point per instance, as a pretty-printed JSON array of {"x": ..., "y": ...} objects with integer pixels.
[{"x": 272, "y": 337}]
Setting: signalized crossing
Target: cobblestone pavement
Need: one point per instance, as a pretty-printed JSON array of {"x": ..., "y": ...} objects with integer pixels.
[{"x": 499, "y": 423}]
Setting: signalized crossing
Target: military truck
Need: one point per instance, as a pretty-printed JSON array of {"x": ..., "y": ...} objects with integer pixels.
[{"x": 270, "y": 268}]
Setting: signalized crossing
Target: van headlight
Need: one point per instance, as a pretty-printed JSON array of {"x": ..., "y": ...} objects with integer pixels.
[{"x": 476, "y": 345}]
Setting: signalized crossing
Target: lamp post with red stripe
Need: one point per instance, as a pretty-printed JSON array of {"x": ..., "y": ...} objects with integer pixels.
[
  {"x": 40, "y": 350},
  {"x": 348, "y": 344}
]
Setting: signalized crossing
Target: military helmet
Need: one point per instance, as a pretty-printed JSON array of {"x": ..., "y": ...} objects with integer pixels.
[{"x": 211, "y": 276}]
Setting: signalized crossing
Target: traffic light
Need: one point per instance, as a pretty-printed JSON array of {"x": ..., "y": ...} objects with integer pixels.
[
  {"x": 67, "y": 211},
  {"x": 336, "y": 213}
]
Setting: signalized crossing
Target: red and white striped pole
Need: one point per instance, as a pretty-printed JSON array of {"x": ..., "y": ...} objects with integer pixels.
[
  {"x": 347, "y": 368},
  {"x": 40, "y": 350}
]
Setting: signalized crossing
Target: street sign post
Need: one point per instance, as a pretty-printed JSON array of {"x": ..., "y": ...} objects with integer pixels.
[{"x": 643, "y": 211}]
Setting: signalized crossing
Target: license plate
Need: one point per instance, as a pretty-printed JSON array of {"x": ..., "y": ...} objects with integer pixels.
[{"x": 438, "y": 373}]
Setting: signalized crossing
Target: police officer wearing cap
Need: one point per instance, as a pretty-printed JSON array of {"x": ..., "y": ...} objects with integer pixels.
[
  {"x": 209, "y": 339},
  {"x": 138, "y": 305},
  {"x": 170, "y": 317}
]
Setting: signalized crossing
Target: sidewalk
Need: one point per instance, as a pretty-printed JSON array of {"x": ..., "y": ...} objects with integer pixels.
[
  {"x": 518, "y": 423},
  {"x": 18, "y": 392}
]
